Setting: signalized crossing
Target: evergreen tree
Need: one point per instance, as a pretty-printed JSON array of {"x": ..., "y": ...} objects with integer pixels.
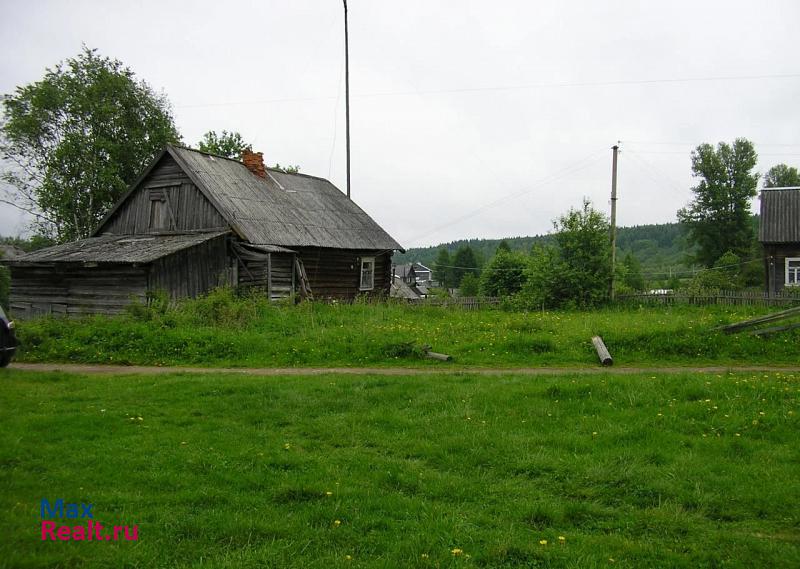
[
  {"x": 442, "y": 269},
  {"x": 464, "y": 262}
]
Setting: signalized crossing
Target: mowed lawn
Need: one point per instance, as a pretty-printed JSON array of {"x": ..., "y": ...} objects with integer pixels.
[{"x": 686, "y": 470}]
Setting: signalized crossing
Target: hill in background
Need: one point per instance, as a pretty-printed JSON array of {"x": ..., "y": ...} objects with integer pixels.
[{"x": 661, "y": 249}]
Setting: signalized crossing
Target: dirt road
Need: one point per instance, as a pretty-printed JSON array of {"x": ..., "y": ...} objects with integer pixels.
[{"x": 88, "y": 369}]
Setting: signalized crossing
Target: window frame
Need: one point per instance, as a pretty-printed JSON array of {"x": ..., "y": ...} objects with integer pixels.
[
  {"x": 795, "y": 269},
  {"x": 371, "y": 285}
]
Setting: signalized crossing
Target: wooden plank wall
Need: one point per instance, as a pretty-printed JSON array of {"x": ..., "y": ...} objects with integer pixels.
[
  {"x": 255, "y": 273},
  {"x": 193, "y": 271},
  {"x": 336, "y": 273},
  {"x": 190, "y": 209},
  {"x": 39, "y": 290}
]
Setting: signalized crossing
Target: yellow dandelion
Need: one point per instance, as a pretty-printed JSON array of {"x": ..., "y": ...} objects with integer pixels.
[
  {"x": 287, "y": 446},
  {"x": 562, "y": 539},
  {"x": 424, "y": 555},
  {"x": 348, "y": 557},
  {"x": 329, "y": 493},
  {"x": 337, "y": 523},
  {"x": 456, "y": 552},
  {"x": 542, "y": 542}
]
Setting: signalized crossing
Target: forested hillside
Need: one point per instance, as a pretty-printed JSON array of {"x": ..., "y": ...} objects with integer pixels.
[{"x": 661, "y": 249}]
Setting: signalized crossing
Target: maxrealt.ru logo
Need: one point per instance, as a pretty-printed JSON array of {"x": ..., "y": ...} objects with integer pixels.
[{"x": 92, "y": 531}]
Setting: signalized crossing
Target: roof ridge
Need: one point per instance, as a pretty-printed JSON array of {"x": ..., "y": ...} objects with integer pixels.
[
  {"x": 279, "y": 171},
  {"x": 302, "y": 174},
  {"x": 198, "y": 151}
]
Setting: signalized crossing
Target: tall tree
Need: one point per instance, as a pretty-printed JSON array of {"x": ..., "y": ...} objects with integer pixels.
[
  {"x": 442, "y": 268},
  {"x": 718, "y": 219},
  {"x": 228, "y": 144},
  {"x": 76, "y": 139},
  {"x": 577, "y": 271},
  {"x": 782, "y": 176},
  {"x": 633, "y": 278},
  {"x": 584, "y": 254},
  {"x": 464, "y": 262}
]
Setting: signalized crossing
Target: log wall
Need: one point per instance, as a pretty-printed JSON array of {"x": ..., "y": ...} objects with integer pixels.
[
  {"x": 775, "y": 264},
  {"x": 61, "y": 289},
  {"x": 336, "y": 273}
]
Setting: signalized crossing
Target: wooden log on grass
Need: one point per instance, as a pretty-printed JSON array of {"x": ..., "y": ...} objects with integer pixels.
[
  {"x": 602, "y": 351},
  {"x": 435, "y": 355}
]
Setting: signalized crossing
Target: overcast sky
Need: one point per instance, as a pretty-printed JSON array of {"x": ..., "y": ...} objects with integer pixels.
[{"x": 468, "y": 119}]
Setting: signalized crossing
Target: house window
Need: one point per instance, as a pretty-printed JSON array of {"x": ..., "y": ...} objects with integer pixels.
[
  {"x": 793, "y": 271},
  {"x": 367, "y": 273}
]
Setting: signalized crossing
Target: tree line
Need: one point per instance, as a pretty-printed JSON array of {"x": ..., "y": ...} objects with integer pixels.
[{"x": 73, "y": 142}]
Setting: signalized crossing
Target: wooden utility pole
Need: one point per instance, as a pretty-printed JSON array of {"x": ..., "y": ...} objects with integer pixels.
[
  {"x": 615, "y": 149},
  {"x": 347, "y": 93}
]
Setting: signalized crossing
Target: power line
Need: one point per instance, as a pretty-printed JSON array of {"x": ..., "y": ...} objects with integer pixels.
[
  {"x": 576, "y": 167},
  {"x": 497, "y": 88}
]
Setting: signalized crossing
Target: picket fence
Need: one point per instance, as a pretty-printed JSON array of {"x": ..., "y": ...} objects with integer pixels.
[{"x": 723, "y": 297}]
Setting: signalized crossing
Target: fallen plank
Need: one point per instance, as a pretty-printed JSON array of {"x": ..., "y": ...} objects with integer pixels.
[
  {"x": 775, "y": 329},
  {"x": 774, "y": 317},
  {"x": 602, "y": 351}
]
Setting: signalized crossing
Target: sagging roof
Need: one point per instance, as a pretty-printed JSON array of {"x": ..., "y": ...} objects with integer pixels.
[
  {"x": 780, "y": 215},
  {"x": 289, "y": 210},
  {"x": 112, "y": 249}
]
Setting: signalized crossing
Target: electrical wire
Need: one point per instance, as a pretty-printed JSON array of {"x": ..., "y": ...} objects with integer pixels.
[{"x": 498, "y": 88}]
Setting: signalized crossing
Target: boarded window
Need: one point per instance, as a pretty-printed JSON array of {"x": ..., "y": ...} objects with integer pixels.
[
  {"x": 162, "y": 215},
  {"x": 367, "y": 273},
  {"x": 793, "y": 271}
]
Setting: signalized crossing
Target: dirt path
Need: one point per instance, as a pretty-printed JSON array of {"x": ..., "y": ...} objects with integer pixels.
[{"x": 391, "y": 371}]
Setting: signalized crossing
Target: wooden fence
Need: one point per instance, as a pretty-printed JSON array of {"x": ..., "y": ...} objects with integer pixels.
[
  {"x": 723, "y": 297},
  {"x": 464, "y": 302}
]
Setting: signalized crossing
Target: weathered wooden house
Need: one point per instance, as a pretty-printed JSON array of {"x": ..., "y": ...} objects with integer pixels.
[
  {"x": 194, "y": 221},
  {"x": 779, "y": 233}
]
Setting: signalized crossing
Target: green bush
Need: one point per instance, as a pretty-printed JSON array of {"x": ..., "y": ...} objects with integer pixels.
[{"x": 504, "y": 275}]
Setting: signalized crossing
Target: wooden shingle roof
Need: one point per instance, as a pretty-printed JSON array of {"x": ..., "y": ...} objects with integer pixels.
[
  {"x": 780, "y": 215},
  {"x": 116, "y": 249},
  {"x": 289, "y": 210}
]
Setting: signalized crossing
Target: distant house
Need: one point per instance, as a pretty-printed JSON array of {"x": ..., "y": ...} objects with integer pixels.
[
  {"x": 194, "y": 221},
  {"x": 414, "y": 273},
  {"x": 411, "y": 281},
  {"x": 779, "y": 233}
]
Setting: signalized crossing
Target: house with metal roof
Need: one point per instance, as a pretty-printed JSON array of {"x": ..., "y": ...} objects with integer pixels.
[
  {"x": 195, "y": 221},
  {"x": 779, "y": 234}
]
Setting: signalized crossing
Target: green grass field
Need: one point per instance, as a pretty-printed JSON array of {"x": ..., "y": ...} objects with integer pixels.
[
  {"x": 222, "y": 330},
  {"x": 685, "y": 470}
]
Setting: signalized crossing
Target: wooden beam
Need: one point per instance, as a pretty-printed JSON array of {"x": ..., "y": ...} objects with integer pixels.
[{"x": 745, "y": 324}]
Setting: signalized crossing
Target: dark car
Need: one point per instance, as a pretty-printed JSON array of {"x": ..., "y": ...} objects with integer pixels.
[{"x": 8, "y": 340}]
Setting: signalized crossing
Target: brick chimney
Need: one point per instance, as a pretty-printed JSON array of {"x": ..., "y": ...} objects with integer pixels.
[{"x": 254, "y": 162}]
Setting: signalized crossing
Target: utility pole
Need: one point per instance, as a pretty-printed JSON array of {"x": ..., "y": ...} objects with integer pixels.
[
  {"x": 347, "y": 93},
  {"x": 615, "y": 149}
]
